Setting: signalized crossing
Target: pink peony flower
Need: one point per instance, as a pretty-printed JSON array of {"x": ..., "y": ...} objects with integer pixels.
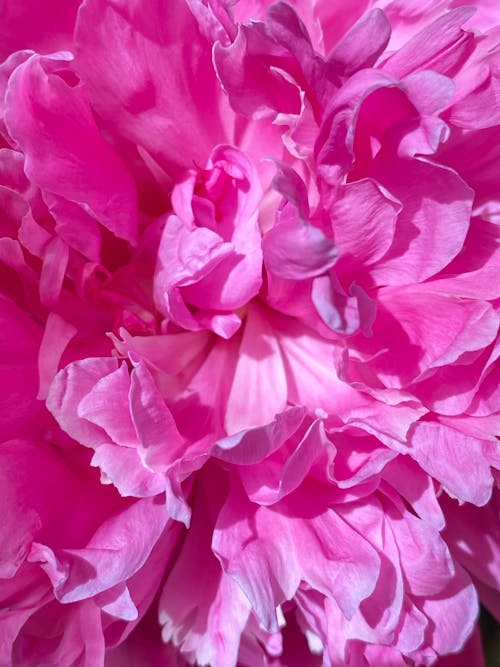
[{"x": 250, "y": 309}]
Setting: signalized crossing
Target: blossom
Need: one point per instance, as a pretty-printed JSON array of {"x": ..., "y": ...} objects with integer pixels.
[{"x": 249, "y": 356}]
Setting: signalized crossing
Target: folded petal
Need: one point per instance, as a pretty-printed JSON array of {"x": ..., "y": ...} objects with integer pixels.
[
  {"x": 109, "y": 558},
  {"x": 432, "y": 225},
  {"x": 270, "y": 550},
  {"x": 65, "y": 153},
  {"x": 458, "y": 461}
]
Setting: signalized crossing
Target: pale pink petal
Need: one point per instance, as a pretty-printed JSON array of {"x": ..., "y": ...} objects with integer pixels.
[
  {"x": 341, "y": 311},
  {"x": 417, "y": 488},
  {"x": 364, "y": 220},
  {"x": 69, "y": 387},
  {"x": 258, "y": 390},
  {"x": 459, "y": 462},
  {"x": 105, "y": 406},
  {"x": 453, "y": 613},
  {"x": 471, "y": 654},
  {"x": 424, "y": 556},
  {"x": 122, "y": 467},
  {"x": 294, "y": 248},
  {"x": 437, "y": 46},
  {"x": 210, "y": 599},
  {"x": 154, "y": 425},
  {"x": 269, "y": 551},
  {"x": 110, "y": 556},
  {"x": 471, "y": 273},
  {"x": 358, "y": 457},
  {"x": 413, "y": 338}
]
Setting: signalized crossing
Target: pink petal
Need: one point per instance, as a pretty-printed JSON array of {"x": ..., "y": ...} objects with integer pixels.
[
  {"x": 430, "y": 48},
  {"x": 105, "y": 405},
  {"x": 259, "y": 367},
  {"x": 453, "y": 613},
  {"x": 253, "y": 445},
  {"x": 473, "y": 534},
  {"x": 294, "y": 248},
  {"x": 432, "y": 225},
  {"x": 364, "y": 220},
  {"x": 156, "y": 430},
  {"x": 110, "y": 556},
  {"x": 471, "y": 654},
  {"x": 206, "y": 613},
  {"x": 69, "y": 387},
  {"x": 144, "y": 105},
  {"x": 64, "y": 151},
  {"x": 34, "y": 25},
  {"x": 268, "y": 552},
  {"x": 410, "y": 324},
  {"x": 122, "y": 467},
  {"x": 413, "y": 484},
  {"x": 55, "y": 262},
  {"x": 254, "y": 89},
  {"x": 58, "y": 333},
  {"x": 424, "y": 556},
  {"x": 457, "y": 461},
  {"x": 361, "y": 46}
]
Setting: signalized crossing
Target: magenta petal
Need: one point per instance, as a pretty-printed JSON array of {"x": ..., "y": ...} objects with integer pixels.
[
  {"x": 65, "y": 152},
  {"x": 20, "y": 338},
  {"x": 144, "y": 105},
  {"x": 35, "y": 25}
]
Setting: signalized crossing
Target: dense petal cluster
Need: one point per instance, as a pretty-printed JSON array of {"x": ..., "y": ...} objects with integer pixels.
[{"x": 249, "y": 353}]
